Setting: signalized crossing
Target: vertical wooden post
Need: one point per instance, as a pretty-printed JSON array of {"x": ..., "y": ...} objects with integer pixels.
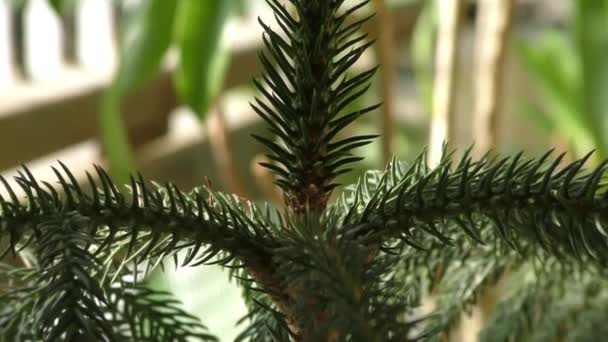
[
  {"x": 492, "y": 40},
  {"x": 446, "y": 61},
  {"x": 17, "y": 11},
  {"x": 386, "y": 56},
  {"x": 68, "y": 22}
]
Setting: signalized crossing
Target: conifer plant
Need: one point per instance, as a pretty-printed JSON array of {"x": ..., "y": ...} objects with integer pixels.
[{"x": 353, "y": 268}]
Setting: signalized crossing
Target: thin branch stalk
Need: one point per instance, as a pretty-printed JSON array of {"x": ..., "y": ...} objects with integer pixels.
[{"x": 221, "y": 145}]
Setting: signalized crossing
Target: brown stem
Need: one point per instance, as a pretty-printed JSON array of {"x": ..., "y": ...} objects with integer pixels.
[
  {"x": 221, "y": 145},
  {"x": 25, "y": 261}
]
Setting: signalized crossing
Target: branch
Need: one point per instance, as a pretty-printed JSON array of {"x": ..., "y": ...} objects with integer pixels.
[
  {"x": 17, "y": 307},
  {"x": 445, "y": 255},
  {"x": 548, "y": 302},
  {"x": 563, "y": 211},
  {"x": 70, "y": 294},
  {"x": 133, "y": 311},
  {"x": 160, "y": 217}
]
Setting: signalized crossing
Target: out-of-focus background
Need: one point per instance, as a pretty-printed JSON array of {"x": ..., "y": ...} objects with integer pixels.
[{"x": 162, "y": 86}]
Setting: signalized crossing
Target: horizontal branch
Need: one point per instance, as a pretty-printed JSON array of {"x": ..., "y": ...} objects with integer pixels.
[
  {"x": 523, "y": 199},
  {"x": 207, "y": 222}
]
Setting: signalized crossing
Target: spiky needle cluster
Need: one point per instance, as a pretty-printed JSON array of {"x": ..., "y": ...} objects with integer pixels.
[
  {"x": 307, "y": 89},
  {"x": 354, "y": 270}
]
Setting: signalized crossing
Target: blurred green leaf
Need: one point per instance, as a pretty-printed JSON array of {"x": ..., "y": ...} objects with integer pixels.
[
  {"x": 57, "y": 5},
  {"x": 552, "y": 62},
  {"x": 591, "y": 27},
  {"x": 143, "y": 46},
  {"x": 203, "y": 51},
  {"x": 114, "y": 137},
  {"x": 61, "y": 6},
  {"x": 145, "y": 41},
  {"x": 573, "y": 75},
  {"x": 538, "y": 116}
]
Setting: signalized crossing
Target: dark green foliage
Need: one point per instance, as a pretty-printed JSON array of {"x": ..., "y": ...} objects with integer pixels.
[
  {"x": 125, "y": 312},
  {"x": 561, "y": 210},
  {"x": 266, "y": 322},
  {"x": 548, "y": 302},
  {"x": 71, "y": 298},
  {"x": 354, "y": 270},
  {"x": 306, "y": 91},
  {"x": 453, "y": 266},
  {"x": 158, "y": 218},
  {"x": 17, "y": 314},
  {"x": 85, "y": 242},
  {"x": 342, "y": 286},
  {"x": 142, "y": 314}
]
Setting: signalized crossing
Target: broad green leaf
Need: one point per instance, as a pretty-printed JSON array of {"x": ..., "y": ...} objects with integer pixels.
[
  {"x": 203, "y": 51},
  {"x": 538, "y": 116},
  {"x": 144, "y": 43},
  {"x": 591, "y": 27},
  {"x": 143, "y": 46}
]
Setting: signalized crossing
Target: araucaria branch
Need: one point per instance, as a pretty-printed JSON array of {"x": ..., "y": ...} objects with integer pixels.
[{"x": 352, "y": 270}]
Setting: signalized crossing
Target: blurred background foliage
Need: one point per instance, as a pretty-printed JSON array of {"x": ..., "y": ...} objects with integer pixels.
[
  {"x": 195, "y": 28},
  {"x": 569, "y": 66},
  {"x": 552, "y": 90}
]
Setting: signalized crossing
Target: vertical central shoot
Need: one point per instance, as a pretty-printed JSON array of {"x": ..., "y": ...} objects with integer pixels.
[
  {"x": 306, "y": 89},
  {"x": 313, "y": 68}
]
